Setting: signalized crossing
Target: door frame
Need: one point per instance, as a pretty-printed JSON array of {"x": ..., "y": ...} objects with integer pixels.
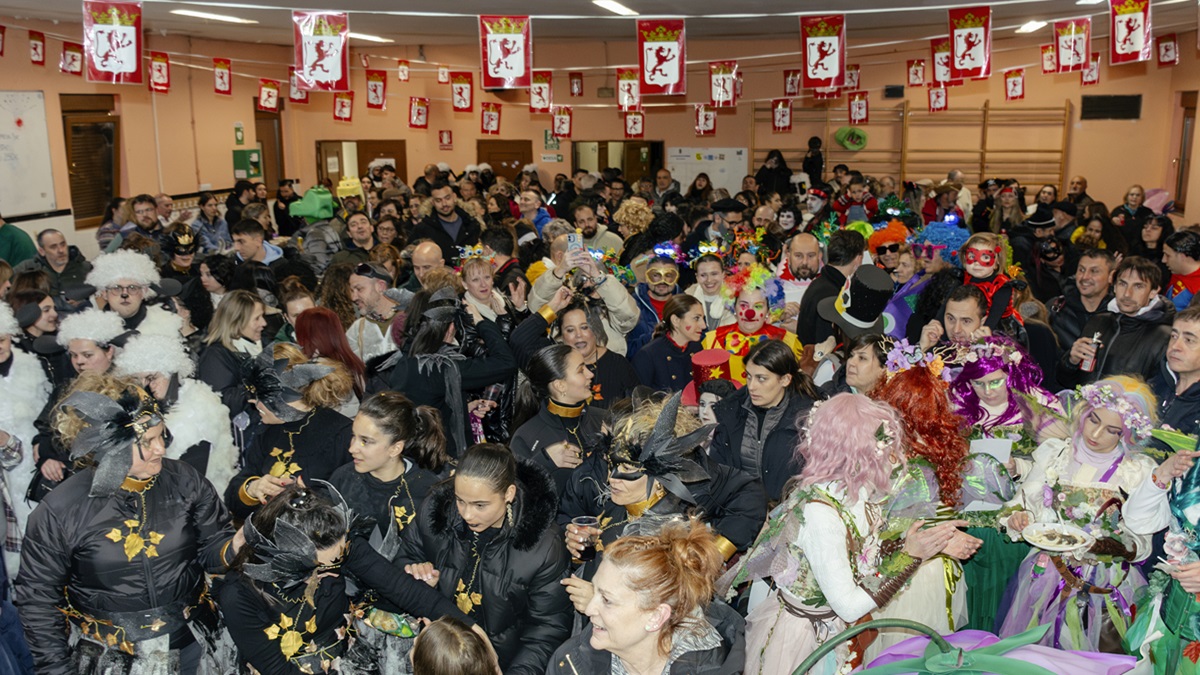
[{"x": 93, "y": 118}]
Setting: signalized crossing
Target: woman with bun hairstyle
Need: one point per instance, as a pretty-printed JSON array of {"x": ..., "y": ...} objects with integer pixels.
[
  {"x": 665, "y": 363},
  {"x": 653, "y": 610}
]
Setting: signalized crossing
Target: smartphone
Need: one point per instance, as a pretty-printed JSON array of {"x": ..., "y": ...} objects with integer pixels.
[{"x": 574, "y": 242}]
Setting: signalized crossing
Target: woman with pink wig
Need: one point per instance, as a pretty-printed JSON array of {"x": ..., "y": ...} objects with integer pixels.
[{"x": 822, "y": 553}]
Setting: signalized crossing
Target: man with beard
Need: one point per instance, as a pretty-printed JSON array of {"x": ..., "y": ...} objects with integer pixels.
[
  {"x": 447, "y": 225},
  {"x": 662, "y": 276},
  {"x": 799, "y": 267},
  {"x": 368, "y": 334},
  {"x": 844, "y": 254},
  {"x": 145, "y": 222},
  {"x": 64, "y": 265},
  {"x": 594, "y": 234}
]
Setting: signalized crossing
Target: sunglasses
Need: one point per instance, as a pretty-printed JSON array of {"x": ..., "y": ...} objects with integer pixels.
[
  {"x": 887, "y": 248},
  {"x": 373, "y": 271},
  {"x": 662, "y": 276},
  {"x": 927, "y": 251}
]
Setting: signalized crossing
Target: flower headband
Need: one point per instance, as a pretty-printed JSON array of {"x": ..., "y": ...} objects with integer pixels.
[
  {"x": 993, "y": 350},
  {"x": 1102, "y": 396},
  {"x": 902, "y": 356}
]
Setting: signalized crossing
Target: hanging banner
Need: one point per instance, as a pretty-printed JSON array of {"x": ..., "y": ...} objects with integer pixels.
[
  {"x": 1129, "y": 31},
  {"x": 938, "y": 99},
  {"x": 1014, "y": 84},
  {"x": 722, "y": 84},
  {"x": 489, "y": 118},
  {"x": 71, "y": 59},
  {"x": 737, "y": 86},
  {"x": 445, "y": 140},
  {"x": 1072, "y": 44},
  {"x": 562, "y": 122},
  {"x": 3, "y": 30},
  {"x": 418, "y": 113},
  {"x": 635, "y": 124},
  {"x": 402, "y": 70},
  {"x": 112, "y": 41},
  {"x": 160, "y": 72},
  {"x": 365, "y": 61},
  {"x": 576, "y": 80},
  {"x": 1049, "y": 59},
  {"x": 939, "y": 53},
  {"x": 827, "y": 94},
  {"x": 295, "y": 93},
  {"x": 322, "y": 50},
  {"x": 506, "y": 49},
  {"x": 1168, "y": 50},
  {"x": 343, "y": 106},
  {"x": 268, "y": 95},
  {"x": 443, "y": 74},
  {"x": 629, "y": 89},
  {"x": 823, "y": 43},
  {"x": 1090, "y": 75},
  {"x": 916, "y": 73},
  {"x": 859, "y": 107},
  {"x": 377, "y": 89},
  {"x": 781, "y": 115},
  {"x": 706, "y": 120},
  {"x": 853, "y": 75},
  {"x": 541, "y": 94},
  {"x": 662, "y": 56},
  {"x": 462, "y": 91},
  {"x": 37, "y": 48},
  {"x": 223, "y": 77},
  {"x": 791, "y": 82},
  {"x": 970, "y": 42}
]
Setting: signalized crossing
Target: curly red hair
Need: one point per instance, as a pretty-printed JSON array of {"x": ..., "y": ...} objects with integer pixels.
[{"x": 931, "y": 425}]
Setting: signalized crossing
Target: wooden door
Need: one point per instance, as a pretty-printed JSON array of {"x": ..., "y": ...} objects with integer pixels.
[
  {"x": 395, "y": 151},
  {"x": 268, "y": 129},
  {"x": 641, "y": 159},
  {"x": 93, "y": 163},
  {"x": 1183, "y": 163},
  {"x": 506, "y": 157},
  {"x": 329, "y": 161}
]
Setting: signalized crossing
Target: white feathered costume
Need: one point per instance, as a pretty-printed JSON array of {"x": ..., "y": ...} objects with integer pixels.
[{"x": 125, "y": 267}]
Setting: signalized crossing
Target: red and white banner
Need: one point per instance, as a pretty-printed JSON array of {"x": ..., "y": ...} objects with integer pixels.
[
  {"x": 343, "y": 106},
  {"x": 970, "y": 42},
  {"x": 377, "y": 89},
  {"x": 541, "y": 91},
  {"x": 112, "y": 41},
  {"x": 662, "y": 56},
  {"x": 853, "y": 76},
  {"x": 939, "y": 54},
  {"x": 268, "y": 95},
  {"x": 827, "y": 94},
  {"x": 223, "y": 77},
  {"x": 1049, "y": 59},
  {"x": 562, "y": 121},
  {"x": 365, "y": 61},
  {"x": 737, "y": 85},
  {"x": 37, "y": 48},
  {"x": 445, "y": 139},
  {"x": 576, "y": 82},
  {"x": 939, "y": 99},
  {"x": 823, "y": 43},
  {"x": 1072, "y": 43},
  {"x": 791, "y": 82},
  {"x": 1168, "y": 50},
  {"x": 418, "y": 112},
  {"x": 635, "y": 124},
  {"x": 629, "y": 89},
  {"x": 3, "y": 30},
  {"x": 443, "y": 74},
  {"x": 1129, "y": 31},
  {"x": 489, "y": 118},
  {"x": 462, "y": 91},
  {"x": 295, "y": 93},
  {"x": 402, "y": 70},
  {"x": 781, "y": 115},
  {"x": 506, "y": 49},
  {"x": 71, "y": 59},
  {"x": 859, "y": 107},
  {"x": 160, "y": 72},
  {"x": 722, "y": 84},
  {"x": 916, "y": 73},
  {"x": 1014, "y": 84},
  {"x": 322, "y": 50},
  {"x": 706, "y": 120},
  {"x": 1090, "y": 75}
]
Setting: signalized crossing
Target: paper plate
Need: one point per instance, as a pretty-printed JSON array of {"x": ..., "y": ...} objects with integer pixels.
[{"x": 1057, "y": 537}]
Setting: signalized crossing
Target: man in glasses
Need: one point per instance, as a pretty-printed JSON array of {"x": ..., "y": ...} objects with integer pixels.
[
  {"x": 126, "y": 281},
  {"x": 662, "y": 277},
  {"x": 728, "y": 215}
]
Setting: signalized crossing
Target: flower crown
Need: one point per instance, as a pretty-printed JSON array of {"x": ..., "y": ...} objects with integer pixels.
[
  {"x": 902, "y": 356},
  {"x": 991, "y": 350},
  {"x": 1102, "y": 396}
]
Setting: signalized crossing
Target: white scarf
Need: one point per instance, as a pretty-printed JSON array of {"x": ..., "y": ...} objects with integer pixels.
[{"x": 484, "y": 308}]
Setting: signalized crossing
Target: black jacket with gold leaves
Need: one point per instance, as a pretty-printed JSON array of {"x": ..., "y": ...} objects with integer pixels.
[{"x": 117, "y": 555}]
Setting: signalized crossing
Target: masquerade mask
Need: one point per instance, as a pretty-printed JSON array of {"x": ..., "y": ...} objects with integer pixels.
[
  {"x": 662, "y": 276},
  {"x": 1050, "y": 250},
  {"x": 980, "y": 256},
  {"x": 888, "y": 248},
  {"x": 927, "y": 251},
  {"x": 631, "y": 471}
]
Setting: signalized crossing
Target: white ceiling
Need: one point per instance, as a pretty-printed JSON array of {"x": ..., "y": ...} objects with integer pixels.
[{"x": 425, "y": 21}]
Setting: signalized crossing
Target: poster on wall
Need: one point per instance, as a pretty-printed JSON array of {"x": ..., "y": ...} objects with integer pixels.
[
  {"x": 706, "y": 120},
  {"x": 506, "y": 49},
  {"x": 662, "y": 56},
  {"x": 791, "y": 82},
  {"x": 112, "y": 41},
  {"x": 70, "y": 62},
  {"x": 322, "y": 50},
  {"x": 1129, "y": 28},
  {"x": 1072, "y": 44},
  {"x": 377, "y": 89},
  {"x": 576, "y": 80},
  {"x": 295, "y": 93},
  {"x": 418, "y": 112},
  {"x": 223, "y": 77},
  {"x": 160, "y": 72},
  {"x": 1090, "y": 75},
  {"x": 268, "y": 95},
  {"x": 722, "y": 84},
  {"x": 343, "y": 106},
  {"x": 541, "y": 91},
  {"x": 859, "y": 107},
  {"x": 916, "y": 73},
  {"x": 938, "y": 100},
  {"x": 781, "y": 115},
  {"x": 1049, "y": 59},
  {"x": 970, "y": 42},
  {"x": 37, "y": 48},
  {"x": 1014, "y": 84},
  {"x": 1168, "y": 50},
  {"x": 402, "y": 70},
  {"x": 823, "y": 44},
  {"x": 462, "y": 93},
  {"x": 489, "y": 118},
  {"x": 629, "y": 89},
  {"x": 635, "y": 124},
  {"x": 562, "y": 121}
]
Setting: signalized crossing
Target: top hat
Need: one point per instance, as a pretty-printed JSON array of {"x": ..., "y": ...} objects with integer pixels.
[{"x": 858, "y": 308}]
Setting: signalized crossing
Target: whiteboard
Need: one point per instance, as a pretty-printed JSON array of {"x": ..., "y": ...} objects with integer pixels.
[
  {"x": 725, "y": 166},
  {"x": 26, "y": 179}
]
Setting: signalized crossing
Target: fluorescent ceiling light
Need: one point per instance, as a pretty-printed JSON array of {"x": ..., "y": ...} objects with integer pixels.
[
  {"x": 369, "y": 38},
  {"x": 211, "y": 17},
  {"x": 1088, "y": 2},
  {"x": 614, "y": 7},
  {"x": 1032, "y": 27}
]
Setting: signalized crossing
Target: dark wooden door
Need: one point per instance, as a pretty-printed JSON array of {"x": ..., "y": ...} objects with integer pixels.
[
  {"x": 268, "y": 129},
  {"x": 329, "y": 161},
  {"x": 395, "y": 151},
  {"x": 506, "y": 157},
  {"x": 93, "y": 164}
]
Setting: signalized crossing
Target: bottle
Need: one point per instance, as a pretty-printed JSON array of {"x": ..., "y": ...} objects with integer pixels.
[{"x": 1089, "y": 364}]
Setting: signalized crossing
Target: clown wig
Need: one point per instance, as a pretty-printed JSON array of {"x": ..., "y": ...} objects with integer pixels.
[
  {"x": 951, "y": 237},
  {"x": 755, "y": 278},
  {"x": 842, "y": 443},
  {"x": 894, "y": 233},
  {"x": 1024, "y": 383}
]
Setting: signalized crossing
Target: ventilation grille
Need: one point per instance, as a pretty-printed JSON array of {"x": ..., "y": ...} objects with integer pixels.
[{"x": 1111, "y": 107}]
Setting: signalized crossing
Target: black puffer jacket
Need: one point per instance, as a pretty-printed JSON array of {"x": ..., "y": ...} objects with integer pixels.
[
  {"x": 779, "y": 443},
  {"x": 1068, "y": 316},
  {"x": 1180, "y": 412},
  {"x": 431, "y": 228},
  {"x": 525, "y": 610},
  {"x": 1131, "y": 345}
]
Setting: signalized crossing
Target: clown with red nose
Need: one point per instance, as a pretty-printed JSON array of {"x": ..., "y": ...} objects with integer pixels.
[{"x": 756, "y": 298}]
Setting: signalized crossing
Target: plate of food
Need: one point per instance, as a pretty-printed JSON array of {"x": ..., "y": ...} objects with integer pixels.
[{"x": 1057, "y": 537}]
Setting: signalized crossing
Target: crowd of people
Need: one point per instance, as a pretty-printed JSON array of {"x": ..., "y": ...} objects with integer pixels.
[{"x": 620, "y": 426}]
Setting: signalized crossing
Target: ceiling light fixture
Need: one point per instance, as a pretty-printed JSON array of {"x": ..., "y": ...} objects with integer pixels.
[
  {"x": 1032, "y": 27},
  {"x": 1088, "y": 2},
  {"x": 369, "y": 38},
  {"x": 211, "y": 17},
  {"x": 614, "y": 7}
]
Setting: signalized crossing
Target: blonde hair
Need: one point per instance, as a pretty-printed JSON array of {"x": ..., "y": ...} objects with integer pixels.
[
  {"x": 67, "y": 423},
  {"x": 634, "y": 215},
  {"x": 329, "y": 391},
  {"x": 443, "y": 277},
  {"x": 986, "y": 240},
  {"x": 233, "y": 312},
  {"x": 471, "y": 264}
]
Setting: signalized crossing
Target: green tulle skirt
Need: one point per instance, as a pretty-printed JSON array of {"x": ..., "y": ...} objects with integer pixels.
[{"x": 987, "y": 574}]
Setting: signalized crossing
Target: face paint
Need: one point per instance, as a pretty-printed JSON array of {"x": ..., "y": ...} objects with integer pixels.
[{"x": 815, "y": 204}]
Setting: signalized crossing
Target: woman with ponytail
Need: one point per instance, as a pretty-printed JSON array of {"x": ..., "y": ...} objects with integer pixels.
[
  {"x": 665, "y": 363},
  {"x": 653, "y": 612}
]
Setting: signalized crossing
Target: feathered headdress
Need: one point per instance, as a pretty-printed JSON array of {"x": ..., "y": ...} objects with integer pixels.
[
  {"x": 611, "y": 263},
  {"x": 273, "y": 384},
  {"x": 111, "y": 428},
  {"x": 902, "y": 356},
  {"x": 661, "y": 454},
  {"x": 154, "y": 354}
]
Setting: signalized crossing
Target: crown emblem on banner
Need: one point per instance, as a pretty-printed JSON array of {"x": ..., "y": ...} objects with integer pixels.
[
  {"x": 1015, "y": 74},
  {"x": 506, "y": 24},
  {"x": 1131, "y": 7},
  {"x": 562, "y": 112},
  {"x": 541, "y": 78},
  {"x": 324, "y": 26},
  {"x": 376, "y": 77},
  {"x": 970, "y": 20},
  {"x": 823, "y": 29},
  {"x": 461, "y": 78},
  {"x": 942, "y": 46},
  {"x": 858, "y": 96},
  {"x": 784, "y": 103},
  {"x": 1071, "y": 28},
  {"x": 722, "y": 68},
  {"x": 661, "y": 34},
  {"x": 114, "y": 17},
  {"x": 629, "y": 74}
]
